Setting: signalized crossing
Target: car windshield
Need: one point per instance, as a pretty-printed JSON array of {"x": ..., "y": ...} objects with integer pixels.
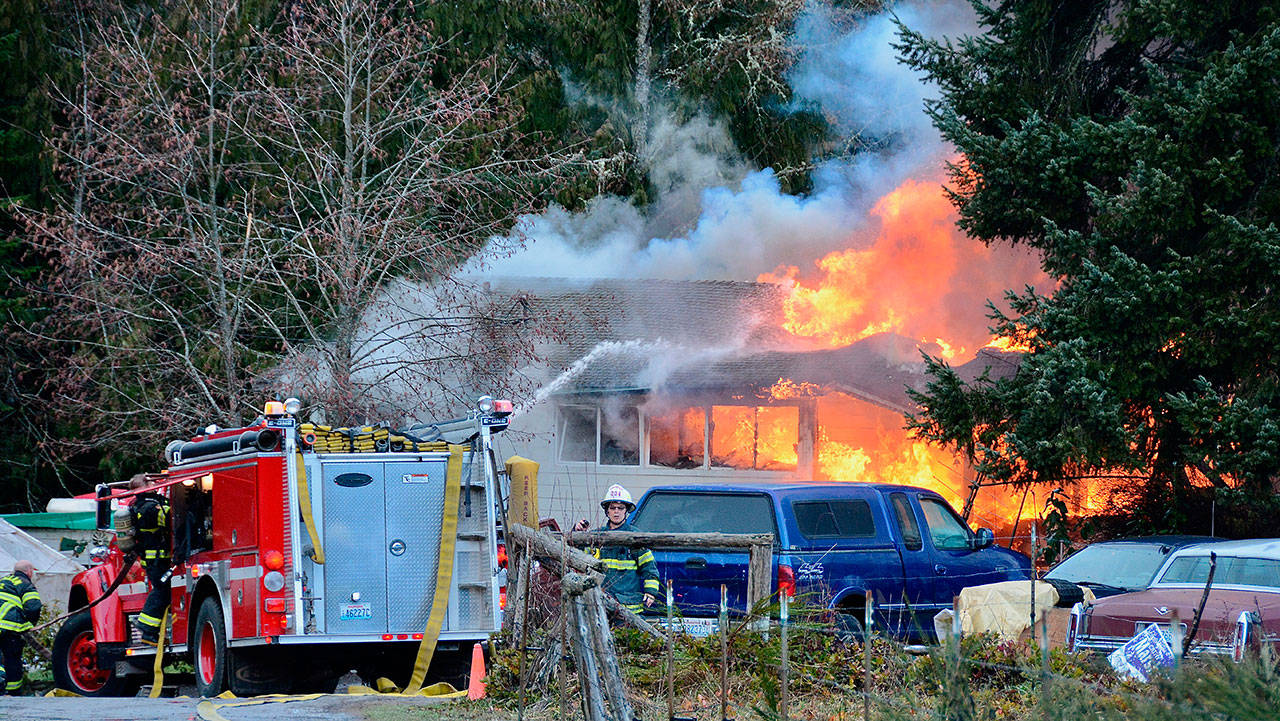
[
  {"x": 1231, "y": 571},
  {"x": 1122, "y": 565},
  {"x": 705, "y": 513}
]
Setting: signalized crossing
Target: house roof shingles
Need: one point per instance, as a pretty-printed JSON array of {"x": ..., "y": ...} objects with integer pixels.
[{"x": 723, "y": 336}]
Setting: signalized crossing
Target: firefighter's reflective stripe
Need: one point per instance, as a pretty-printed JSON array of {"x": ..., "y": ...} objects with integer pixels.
[
  {"x": 308, "y": 520},
  {"x": 444, "y": 569},
  {"x": 618, "y": 565},
  {"x": 151, "y": 621},
  {"x": 650, "y": 584},
  {"x": 18, "y": 606}
]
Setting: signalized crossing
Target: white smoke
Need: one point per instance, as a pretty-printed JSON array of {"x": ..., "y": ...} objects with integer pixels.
[{"x": 715, "y": 220}]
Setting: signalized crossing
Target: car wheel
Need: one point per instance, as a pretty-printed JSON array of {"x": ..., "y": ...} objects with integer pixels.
[
  {"x": 75, "y": 662},
  {"x": 209, "y": 649}
]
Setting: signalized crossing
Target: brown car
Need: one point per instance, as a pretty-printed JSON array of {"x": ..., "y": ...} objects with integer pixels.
[{"x": 1241, "y": 613}]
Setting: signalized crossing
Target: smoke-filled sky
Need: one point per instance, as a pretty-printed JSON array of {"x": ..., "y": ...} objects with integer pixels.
[{"x": 715, "y": 218}]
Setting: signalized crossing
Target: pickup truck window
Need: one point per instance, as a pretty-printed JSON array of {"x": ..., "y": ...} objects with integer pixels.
[
  {"x": 705, "y": 513},
  {"x": 834, "y": 519},
  {"x": 907, "y": 525},
  {"x": 948, "y": 532}
]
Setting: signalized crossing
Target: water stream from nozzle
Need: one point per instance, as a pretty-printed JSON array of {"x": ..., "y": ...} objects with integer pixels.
[{"x": 575, "y": 369}]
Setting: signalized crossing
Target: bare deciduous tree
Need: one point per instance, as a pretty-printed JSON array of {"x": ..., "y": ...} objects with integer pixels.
[
  {"x": 248, "y": 202},
  {"x": 151, "y": 270},
  {"x": 383, "y": 169}
]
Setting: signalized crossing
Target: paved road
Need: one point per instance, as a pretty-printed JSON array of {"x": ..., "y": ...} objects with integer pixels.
[{"x": 330, "y": 707}]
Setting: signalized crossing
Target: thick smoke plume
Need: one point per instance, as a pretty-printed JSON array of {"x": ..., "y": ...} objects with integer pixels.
[{"x": 737, "y": 224}]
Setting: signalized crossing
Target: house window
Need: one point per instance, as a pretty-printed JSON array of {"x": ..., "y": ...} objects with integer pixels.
[
  {"x": 619, "y": 437},
  {"x": 762, "y": 438},
  {"x": 577, "y": 433},
  {"x": 678, "y": 439}
]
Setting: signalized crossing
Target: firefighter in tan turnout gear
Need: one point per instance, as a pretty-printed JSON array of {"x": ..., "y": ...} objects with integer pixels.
[
  {"x": 19, "y": 609},
  {"x": 150, "y": 513},
  {"x": 630, "y": 574}
]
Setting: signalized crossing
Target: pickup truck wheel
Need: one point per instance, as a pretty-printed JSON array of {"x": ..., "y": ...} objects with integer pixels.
[
  {"x": 849, "y": 625},
  {"x": 209, "y": 649}
]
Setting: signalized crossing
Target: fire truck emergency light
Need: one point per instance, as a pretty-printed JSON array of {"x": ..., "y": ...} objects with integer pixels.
[
  {"x": 292, "y": 405},
  {"x": 489, "y": 406},
  {"x": 273, "y": 408},
  {"x": 206, "y": 482}
]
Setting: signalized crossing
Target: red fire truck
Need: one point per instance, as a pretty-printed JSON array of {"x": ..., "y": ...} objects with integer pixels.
[{"x": 299, "y": 553}]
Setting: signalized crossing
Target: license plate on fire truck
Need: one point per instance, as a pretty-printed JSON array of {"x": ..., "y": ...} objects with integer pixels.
[
  {"x": 695, "y": 627},
  {"x": 356, "y": 612}
]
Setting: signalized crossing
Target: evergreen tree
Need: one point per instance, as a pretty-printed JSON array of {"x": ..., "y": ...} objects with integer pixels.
[{"x": 1135, "y": 146}]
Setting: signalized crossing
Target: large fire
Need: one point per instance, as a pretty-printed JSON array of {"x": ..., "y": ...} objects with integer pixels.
[
  {"x": 860, "y": 441},
  {"x": 912, "y": 272}
]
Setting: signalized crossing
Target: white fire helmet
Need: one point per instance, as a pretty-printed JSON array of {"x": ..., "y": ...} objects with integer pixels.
[{"x": 617, "y": 494}]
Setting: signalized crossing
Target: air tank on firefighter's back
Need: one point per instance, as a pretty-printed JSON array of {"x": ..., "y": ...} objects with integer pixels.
[{"x": 122, "y": 522}]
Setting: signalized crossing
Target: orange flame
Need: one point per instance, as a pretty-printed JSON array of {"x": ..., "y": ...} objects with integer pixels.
[
  {"x": 1009, "y": 344},
  {"x": 912, "y": 272}
]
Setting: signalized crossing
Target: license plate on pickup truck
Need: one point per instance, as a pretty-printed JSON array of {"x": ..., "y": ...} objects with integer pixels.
[
  {"x": 695, "y": 627},
  {"x": 356, "y": 612}
]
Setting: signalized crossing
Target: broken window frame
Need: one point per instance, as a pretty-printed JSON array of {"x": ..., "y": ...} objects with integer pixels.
[{"x": 645, "y": 427}]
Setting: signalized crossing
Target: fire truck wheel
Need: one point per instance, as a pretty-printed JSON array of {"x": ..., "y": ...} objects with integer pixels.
[
  {"x": 75, "y": 662},
  {"x": 209, "y": 649}
]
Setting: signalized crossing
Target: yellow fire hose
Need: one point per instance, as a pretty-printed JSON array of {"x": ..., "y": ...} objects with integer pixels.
[
  {"x": 157, "y": 670},
  {"x": 444, "y": 568},
  {"x": 308, "y": 520}
]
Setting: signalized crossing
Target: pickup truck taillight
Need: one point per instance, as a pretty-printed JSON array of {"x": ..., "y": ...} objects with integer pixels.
[{"x": 786, "y": 580}]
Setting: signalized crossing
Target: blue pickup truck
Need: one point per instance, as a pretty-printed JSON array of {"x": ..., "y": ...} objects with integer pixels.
[{"x": 834, "y": 543}]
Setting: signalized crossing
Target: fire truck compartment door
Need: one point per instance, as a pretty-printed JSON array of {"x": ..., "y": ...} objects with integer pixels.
[
  {"x": 414, "y": 500},
  {"x": 355, "y": 569}
]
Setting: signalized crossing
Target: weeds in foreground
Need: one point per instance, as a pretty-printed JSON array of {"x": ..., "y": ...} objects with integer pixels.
[{"x": 985, "y": 679}]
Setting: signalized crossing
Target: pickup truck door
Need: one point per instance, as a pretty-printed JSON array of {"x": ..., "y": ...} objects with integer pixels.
[
  {"x": 921, "y": 596},
  {"x": 956, "y": 563}
]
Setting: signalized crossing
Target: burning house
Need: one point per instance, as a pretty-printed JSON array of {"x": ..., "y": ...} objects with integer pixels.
[{"x": 683, "y": 381}]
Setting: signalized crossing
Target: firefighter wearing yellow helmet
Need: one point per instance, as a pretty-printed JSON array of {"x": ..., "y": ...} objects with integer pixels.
[{"x": 630, "y": 574}]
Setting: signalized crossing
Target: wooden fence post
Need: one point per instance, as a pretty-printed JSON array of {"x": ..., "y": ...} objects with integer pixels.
[
  {"x": 564, "y": 636},
  {"x": 607, "y": 656},
  {"x": 584, "y": 656},
  {"x": 759, "y": 581},
  {"x": 526, "y": 580}
]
